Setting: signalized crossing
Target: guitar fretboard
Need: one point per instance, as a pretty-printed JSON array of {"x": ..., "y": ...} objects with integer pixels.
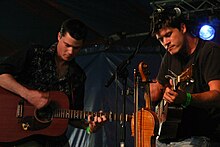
[{"x": 78, "y": 114}]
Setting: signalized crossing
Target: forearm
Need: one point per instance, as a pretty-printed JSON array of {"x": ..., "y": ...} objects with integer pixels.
[
  {"x": 37, "y": 98},
  {"x": 156, "y": 92},
  {"x": 207, "y": 99},
  {"x": 8, "y": 82}
]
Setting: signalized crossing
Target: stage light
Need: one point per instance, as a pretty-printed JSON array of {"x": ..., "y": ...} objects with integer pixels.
[{"x": 207, "y": 32}]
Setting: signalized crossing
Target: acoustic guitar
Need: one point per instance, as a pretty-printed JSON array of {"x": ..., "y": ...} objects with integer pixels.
[
  {"x": 170, "y": 115},
  {"x": 20, "y": 119}
]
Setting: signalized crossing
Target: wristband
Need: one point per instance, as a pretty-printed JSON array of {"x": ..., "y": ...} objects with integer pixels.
[
  {"x": 88, "y": 130},
  {"x": 188, "y": 100}
]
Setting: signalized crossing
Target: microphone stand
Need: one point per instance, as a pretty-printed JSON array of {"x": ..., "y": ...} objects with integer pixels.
[
  {"x": 122, "y": 72},
  {"x": 122, "y": 122},
  {"x": 121, "y": 68}
]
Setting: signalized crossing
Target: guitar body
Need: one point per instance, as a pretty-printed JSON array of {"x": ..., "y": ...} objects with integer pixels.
[
  {"x": 169, "y": 115},
  {"x": 169, "y": 119},
  {"x": 15, "y": 126}
]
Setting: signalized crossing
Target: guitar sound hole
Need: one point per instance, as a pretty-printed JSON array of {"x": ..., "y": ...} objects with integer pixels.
[{"x": 44, "y": 115}]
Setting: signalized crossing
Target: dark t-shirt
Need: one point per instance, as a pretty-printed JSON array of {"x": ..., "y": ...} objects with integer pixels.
[{"x": 205, "y": 60}]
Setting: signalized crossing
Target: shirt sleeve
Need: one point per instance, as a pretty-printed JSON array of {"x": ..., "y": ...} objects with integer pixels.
[
  {"x": 15, "y": 63},
  {"x": 211, "y": 68}
]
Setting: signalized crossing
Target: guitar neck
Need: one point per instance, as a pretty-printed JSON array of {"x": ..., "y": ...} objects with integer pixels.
[{"x": 78, "y": 114}]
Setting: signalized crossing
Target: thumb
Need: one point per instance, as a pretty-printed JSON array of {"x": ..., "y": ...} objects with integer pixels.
[{"x": 171, "y": 82}]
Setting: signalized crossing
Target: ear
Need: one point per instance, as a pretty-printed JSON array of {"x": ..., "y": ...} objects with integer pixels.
[
  {"x": 59, "y": 36},
  {"x": 183, "y": 28}
]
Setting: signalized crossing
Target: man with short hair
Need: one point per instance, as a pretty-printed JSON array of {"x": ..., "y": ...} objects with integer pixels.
[{"x": 32, "y": 73}]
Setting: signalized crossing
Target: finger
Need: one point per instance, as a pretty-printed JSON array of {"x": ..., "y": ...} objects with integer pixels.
[
  {"x": 94, "y": 119},
  {"x": 46, "y": 95},
  {"x": 171, "y": 82},
  {"x": 166, "y": 100},
  {"x": 102, "y": 115},
  {"x": 99, "y": 119},
  {"x": 47, "y": 101},
  {"x": 90, "y": 118},
  {"x": 167, "y": 97},
  {"x": 104, "y": 118}
]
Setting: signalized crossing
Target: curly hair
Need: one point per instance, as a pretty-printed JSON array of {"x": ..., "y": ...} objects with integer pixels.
[{"x": 166, "y": 19}]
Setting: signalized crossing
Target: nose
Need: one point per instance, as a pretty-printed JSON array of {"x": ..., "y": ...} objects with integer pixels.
[
  {"x": 166, "y": 42},
  {"x": 70, "y": 51}
]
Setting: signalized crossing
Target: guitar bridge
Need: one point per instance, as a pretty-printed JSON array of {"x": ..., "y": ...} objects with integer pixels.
[{"x": 19, "y": 112}]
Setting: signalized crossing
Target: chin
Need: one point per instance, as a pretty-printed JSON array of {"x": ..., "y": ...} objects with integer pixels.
[
  {"x": 173, "y": 52},
  {"x": 69, "y": 59}
]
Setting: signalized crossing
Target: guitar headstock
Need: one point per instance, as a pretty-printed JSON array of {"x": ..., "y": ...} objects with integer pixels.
[{"x": 185, "y": 75}]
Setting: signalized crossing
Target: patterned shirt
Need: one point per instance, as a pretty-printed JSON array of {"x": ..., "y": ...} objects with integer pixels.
[{"x": 36, "y": 69}]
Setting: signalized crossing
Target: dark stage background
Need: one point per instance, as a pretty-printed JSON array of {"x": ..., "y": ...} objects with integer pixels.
[
  {"x": 115, "y": 28},
  {"x": 99, "y": 67}
]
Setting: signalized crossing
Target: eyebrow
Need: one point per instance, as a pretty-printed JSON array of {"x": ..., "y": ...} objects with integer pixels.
[
  {"x": 167, "y": 34},
  {"x": 66, "y": 43},
  {"x": 78, "y": 46}
]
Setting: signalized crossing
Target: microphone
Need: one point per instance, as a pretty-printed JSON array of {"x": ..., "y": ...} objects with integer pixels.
[
  {"x": 175, "y": 12},
  {"x": 116, "y": 37}
]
